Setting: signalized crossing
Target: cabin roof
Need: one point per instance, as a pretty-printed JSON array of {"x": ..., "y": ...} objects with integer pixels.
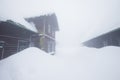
[
  {"x": 51, "y": 16},
  {"x": 21, "y": 23},
  {"x": 100, "y": 32},
  {"x": 117, "y": 29}
]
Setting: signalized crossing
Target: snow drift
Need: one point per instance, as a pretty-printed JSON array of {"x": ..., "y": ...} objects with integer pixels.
[
  {"x": 69, "y": 64},
  {"x": 30, "y": 64}
]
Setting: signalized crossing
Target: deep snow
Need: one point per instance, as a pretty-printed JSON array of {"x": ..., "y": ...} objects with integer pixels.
[{"x": 68, "y": 64}]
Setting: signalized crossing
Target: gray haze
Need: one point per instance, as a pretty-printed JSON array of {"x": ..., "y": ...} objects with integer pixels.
[{"x": 78, "y": 19}]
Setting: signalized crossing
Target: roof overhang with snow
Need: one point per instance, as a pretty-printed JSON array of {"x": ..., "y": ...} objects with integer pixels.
[
  {"x": 50, "y": 16},
  {"x": 99, "y": 33},
  {"x": 111, "y": 35},
  {"x": 22, "y": 26},
  {"x": 21, "y": 23}
]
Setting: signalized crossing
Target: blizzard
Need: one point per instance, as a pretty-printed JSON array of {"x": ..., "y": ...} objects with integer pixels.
[{"x": 67, "y": 64}]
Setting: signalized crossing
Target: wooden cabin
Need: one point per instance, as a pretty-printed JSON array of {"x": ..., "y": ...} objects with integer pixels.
[
  {"x": 14, "y": 37},
  {"x": 46, "y": 25},
  {"x": 111, "y": 38}
]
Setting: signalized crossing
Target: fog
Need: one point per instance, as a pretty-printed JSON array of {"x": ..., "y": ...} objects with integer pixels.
[{"x": 78, "y": 20}]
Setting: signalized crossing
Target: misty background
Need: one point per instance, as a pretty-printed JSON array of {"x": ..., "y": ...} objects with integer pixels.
[{"x": 78, "y": 20}]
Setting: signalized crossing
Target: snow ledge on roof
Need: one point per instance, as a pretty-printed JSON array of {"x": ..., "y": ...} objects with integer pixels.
[{"x": 22, "y": 22}]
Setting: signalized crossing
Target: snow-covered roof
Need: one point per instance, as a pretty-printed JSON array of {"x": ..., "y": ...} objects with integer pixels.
[
  {"x": 46, "y": 14},
  {"x": 99, "y": 32},
  {"x": 21, "y": 21}
]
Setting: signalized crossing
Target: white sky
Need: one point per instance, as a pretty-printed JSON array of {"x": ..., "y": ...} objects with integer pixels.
[{"x": 78, "y": 19}]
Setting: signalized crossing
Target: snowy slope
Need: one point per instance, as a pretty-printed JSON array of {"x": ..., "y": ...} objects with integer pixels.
[
  {"x": 30, "y": 64},
  {"x": 91, "y": 63},
  {"x": 69, "y": 64}
]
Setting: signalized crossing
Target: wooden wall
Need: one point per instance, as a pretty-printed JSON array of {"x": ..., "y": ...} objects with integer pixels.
[
  {"x": 13, "y": 39},
  {"x": 109, "y": 39}
]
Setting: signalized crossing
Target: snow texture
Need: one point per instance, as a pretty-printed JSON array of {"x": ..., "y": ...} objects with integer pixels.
[{"x": 68, "y": 64}]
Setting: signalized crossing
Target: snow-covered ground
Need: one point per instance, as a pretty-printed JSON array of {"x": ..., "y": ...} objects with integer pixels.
[{"x": 68, "y": 64}]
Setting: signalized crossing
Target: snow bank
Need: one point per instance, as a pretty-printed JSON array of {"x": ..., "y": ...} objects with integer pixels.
[
  {"x": 91, "y": 63},
  {"x": 30, "y": 64},
  {"x": 69, "y": 64},
  {"x": 108, "y": 63}
]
